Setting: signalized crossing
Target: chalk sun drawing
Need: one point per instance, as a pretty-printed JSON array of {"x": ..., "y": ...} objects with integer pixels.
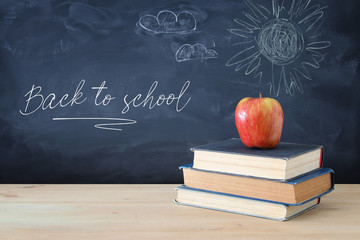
[{"x": 286, "y": 35}]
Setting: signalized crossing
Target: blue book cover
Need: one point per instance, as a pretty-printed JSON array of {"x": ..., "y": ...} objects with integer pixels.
[
  {"x": 287, "y": 160},
  {"x": 241, "y": 205},
  {"x": 295, "y": 192},
  {"x": 283, "y": 150},
  {"x": 296, "y": 180}
]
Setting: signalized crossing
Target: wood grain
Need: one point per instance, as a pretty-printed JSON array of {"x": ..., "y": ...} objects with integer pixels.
[{"x": 147, "y": 212}]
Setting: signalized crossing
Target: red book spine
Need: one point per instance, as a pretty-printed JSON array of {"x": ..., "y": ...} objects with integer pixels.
[{"x": 321, "y": 157}]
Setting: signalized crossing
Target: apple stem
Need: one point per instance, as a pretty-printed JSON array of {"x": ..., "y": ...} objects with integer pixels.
[{"x": 260, "y": 95}]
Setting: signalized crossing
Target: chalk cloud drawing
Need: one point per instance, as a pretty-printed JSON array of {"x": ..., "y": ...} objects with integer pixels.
[
  {"x": 197, "y": 51},
  {"x": 286, "y": 35},
  {"x": 168, "y": 22}
]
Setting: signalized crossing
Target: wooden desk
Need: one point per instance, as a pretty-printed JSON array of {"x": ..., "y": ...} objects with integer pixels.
[{"x": 147, "y": 212}]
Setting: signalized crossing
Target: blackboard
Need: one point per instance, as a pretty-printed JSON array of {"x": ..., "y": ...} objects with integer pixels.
[{"x": 119, "y": 91}]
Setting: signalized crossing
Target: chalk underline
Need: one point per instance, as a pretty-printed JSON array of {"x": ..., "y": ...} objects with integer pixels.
[{"x": 106, "y": 126}]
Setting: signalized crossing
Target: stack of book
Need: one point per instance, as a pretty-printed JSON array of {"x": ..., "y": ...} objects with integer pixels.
[{"x": 278, "y": 184}]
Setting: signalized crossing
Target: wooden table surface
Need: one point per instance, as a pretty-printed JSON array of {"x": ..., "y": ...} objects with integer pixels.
[{"x": 105, "y": 212}]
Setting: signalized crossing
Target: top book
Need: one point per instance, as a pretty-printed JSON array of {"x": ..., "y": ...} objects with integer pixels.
[{"x": 285, "y": 162}]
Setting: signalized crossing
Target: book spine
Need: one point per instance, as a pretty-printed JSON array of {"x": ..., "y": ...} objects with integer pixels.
[
  {"x": 321, "y": 164},
  {"x": 321, "y": 157}
]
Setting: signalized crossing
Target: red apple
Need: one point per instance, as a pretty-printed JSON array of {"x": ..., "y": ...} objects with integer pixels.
[{"x": 259, "y": 122}]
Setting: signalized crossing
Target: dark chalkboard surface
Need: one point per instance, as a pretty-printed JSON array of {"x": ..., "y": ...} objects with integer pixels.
[{"x": 119, "y": 91}]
